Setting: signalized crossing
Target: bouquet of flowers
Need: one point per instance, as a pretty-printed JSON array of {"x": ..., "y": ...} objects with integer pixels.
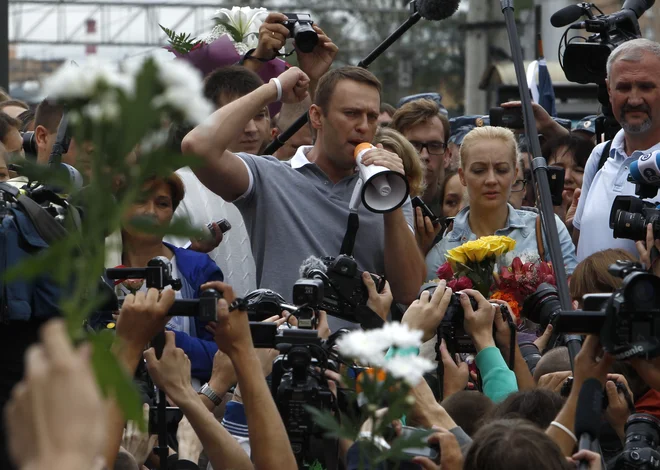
[
  {"x": 516, "y": 282},
  {"x": 236, "y": 31},
  {"x": 472, "y": 265}
]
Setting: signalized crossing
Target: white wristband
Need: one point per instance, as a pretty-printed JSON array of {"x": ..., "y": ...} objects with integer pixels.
[
  {"x": 278, "y": 85},
  {"x": 565, "y": 429}
]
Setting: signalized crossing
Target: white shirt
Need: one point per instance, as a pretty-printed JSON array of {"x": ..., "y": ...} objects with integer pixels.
[
  {"x": 599, "y": 188},
  {"x": 234, "y": 255}
]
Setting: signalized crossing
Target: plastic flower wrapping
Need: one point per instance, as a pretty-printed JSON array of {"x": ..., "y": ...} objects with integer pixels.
[{"x": 236, "y": 31}]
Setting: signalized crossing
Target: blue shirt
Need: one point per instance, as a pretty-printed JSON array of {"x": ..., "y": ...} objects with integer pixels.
[{"x": 520, "y": 225}]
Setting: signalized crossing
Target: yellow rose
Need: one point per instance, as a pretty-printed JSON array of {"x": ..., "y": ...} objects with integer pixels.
[
  {"x": 510, "y": 242},
  {"x": 456, "y": 256},
  {"x": 475, "y": 250}
]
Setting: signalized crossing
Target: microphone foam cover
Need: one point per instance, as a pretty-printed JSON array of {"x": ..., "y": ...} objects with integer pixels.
[
  {"x": 589, "y": 409},
  {"x": 436, "y": 10},
  {"x": 566, "y": 16},
  {"x": 310, "y": 264}
]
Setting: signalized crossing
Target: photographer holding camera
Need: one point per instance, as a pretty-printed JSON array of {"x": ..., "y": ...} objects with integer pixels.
[{"x": 633, "y": 83}]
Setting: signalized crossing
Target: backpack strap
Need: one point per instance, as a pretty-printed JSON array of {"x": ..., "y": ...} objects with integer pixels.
[
  {"x": 539, "y": 238},
  {"x": 605, "y": 155},
  {"x": 48, "y": 228}
]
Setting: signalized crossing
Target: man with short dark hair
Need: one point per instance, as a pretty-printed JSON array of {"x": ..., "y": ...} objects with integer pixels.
[
  {"x": 46, "y": 122},
  {"x": 300, "y": 208},
  {"x": 427, "y": 128},
  {"x": 227, "y": 84}
]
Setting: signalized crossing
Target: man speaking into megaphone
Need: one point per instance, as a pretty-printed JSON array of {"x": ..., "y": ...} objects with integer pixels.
[{"x": 300, "y": 208}]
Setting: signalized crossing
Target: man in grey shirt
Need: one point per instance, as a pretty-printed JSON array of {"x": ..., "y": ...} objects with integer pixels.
[{"x": 297, "y": 209}]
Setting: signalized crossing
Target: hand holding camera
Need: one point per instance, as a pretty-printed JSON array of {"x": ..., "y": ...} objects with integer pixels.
[
  {"x": 618, "y": 409},
  {"x": 427, "y": 312},
  {"x": 232, "y": 334},
  {"x": 315, "y": 62},
  {"x": 478, "y": 324},
  {"x": 451, "y": 457},
  {"x": 272, "y": 36},
  {"x": 645, "y": 248},
  {"x": 379, "y": 302},
  {"x": 143, "y": 316},
  {"x": 171, "y": 372}
]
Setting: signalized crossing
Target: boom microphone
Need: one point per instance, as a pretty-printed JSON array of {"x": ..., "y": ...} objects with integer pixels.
[
  {"x": 588, "y": 415},
  {"x": 436, "y": 10},
  {"x": 567, "y": 15}
]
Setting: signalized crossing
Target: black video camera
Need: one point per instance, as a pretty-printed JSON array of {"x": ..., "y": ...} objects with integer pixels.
[
  {"x": 628, "y": 320},
  {"x": 335, "y": 287},
  {"x": 301, "y": 30},
  {"x": 642, "y": 440},
  {"x": 298, "y": 381},
  {"x": 265, "y": 303},
  {"x": 584, "y": 61}
]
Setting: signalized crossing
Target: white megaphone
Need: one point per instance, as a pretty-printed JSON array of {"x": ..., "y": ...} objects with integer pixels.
[{"x": 383, "y": 190}]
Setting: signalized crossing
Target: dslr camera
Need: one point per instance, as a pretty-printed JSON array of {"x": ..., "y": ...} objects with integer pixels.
[
  {"x": 642, "y": 440},
  {"x": 334, "y": 285},
  {"x": 452, "y": 328},
  {"x": 301, "y": 30},
  {"x": 628, "y": 320},
  {"x": 630, "y": 215}
]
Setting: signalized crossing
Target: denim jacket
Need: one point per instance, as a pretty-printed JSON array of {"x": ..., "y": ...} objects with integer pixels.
[{"x": 520, "y": 225}]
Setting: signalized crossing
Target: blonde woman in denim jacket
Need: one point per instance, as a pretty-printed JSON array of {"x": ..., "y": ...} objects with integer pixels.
[{"x": 488, "y": 170}]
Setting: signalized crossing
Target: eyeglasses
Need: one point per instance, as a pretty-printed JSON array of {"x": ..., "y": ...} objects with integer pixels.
[
  {"x": 433, "y": 147},
  {"x": 518, "y": 185}
]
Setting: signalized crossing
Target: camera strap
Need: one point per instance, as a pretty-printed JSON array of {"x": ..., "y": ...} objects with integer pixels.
[{"x": 605, "y": 155}]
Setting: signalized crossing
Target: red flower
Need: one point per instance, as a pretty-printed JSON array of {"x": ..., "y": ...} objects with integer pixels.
[
  {"x": 460, "y": 284},
  {"x": 516, "y": 265},
  {"x": 445, "y": 272}
]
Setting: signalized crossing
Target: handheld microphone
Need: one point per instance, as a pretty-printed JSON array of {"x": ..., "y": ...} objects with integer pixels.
[
  {"x": 646, "y": 170},
  {"x": 437, "y": 10},
  {"x": 588, "y": 415},
  {"x": 567, "y": 15}
]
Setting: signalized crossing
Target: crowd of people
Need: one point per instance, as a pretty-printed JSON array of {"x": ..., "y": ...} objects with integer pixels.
[{"x": 491, "y": 413}]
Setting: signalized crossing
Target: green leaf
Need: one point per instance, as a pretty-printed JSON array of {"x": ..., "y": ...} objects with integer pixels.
[
  {"x": 113, "y": 380},
  {"x": 178, "y": 228},
  {"x": 231, "y": 29},
  {"x": 182, "y": 43}
]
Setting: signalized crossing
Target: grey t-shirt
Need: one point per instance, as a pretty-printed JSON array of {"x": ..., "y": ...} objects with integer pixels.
[{"x": 293, "y": 211}]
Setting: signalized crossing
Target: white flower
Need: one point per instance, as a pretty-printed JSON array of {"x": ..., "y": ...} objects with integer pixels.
[
  {"x": 104, "y": 108},
  {"x": 408, "y": 368},
  {"x": 244, "y": 19},
  {"x": 154, "y": 141},
  {"x": 183, "y": 90},
  {"x": 360, "y": 345},
  {"x": 369, "y": 347},
  {"x": 73, "y": 82}
]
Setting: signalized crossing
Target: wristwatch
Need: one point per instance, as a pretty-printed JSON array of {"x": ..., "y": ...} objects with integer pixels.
[{"x": 210, "y": 394}]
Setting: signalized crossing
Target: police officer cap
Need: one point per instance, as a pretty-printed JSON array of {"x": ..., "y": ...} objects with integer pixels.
[
  {"x": 458, "y": 136},
  {"x": 466, "y": 121},
  {"x": 587, "y": 124}
]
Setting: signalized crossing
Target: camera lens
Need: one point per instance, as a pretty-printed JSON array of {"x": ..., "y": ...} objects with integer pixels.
[
  {"x": 642, "y": 430},
  {"x": 629, "y": 225},
  {"x": 305, "y": 36},
  {"x": 542, "y": 304},
  {"x": 642, "y": 291}
]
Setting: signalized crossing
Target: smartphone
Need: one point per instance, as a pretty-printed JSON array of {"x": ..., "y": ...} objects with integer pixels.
[
  {"x": 426, "y": 212},
  {"x": 224, "y": 225},
  {"x": 556, "y": 180},
  {"x": 511, "y": 118}
]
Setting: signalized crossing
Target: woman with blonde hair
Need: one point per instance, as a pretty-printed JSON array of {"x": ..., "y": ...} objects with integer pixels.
[{"x": 488, "y": 167}]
